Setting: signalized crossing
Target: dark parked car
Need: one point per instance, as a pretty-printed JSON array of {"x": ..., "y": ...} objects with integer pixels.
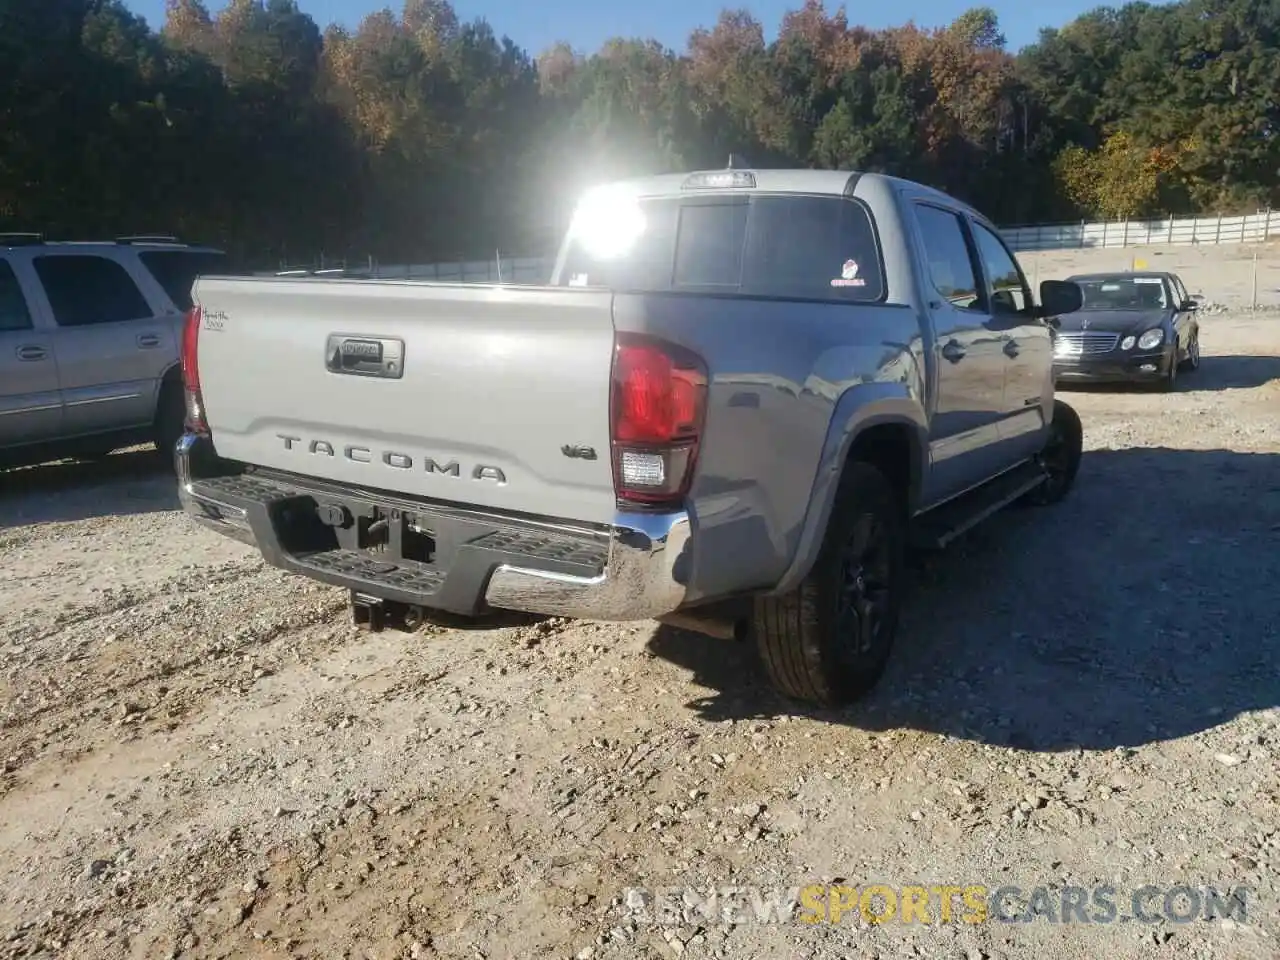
[{"x": 1137, "y": 327}]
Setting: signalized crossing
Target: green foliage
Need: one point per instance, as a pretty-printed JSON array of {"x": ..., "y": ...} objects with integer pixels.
[
  {"x": 419, "y": 136},
  {"x": 1118, "y": 180}
]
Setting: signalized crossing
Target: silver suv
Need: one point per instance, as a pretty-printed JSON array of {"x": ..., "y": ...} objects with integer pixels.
[{"x": 90, "y": 338}]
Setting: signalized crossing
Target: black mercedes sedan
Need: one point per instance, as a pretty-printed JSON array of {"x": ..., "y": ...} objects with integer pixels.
[{"x": 1133, "y": 327}]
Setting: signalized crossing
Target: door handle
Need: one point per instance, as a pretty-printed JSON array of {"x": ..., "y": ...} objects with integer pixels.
[
  {"x": 1011, "y": 348},
  {"x": 148, "y": 340},
  {"x": 953, "y": 351},
  {"x": 32, "y": 353}
]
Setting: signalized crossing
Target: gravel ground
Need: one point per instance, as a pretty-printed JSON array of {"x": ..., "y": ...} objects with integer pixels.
[{"x": 202, "y": 758}]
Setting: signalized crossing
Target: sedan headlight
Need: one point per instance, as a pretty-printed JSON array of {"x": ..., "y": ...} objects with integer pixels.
[
  {"x": 1151, "y": 339},
  {"x": 1128, "y": 342}
]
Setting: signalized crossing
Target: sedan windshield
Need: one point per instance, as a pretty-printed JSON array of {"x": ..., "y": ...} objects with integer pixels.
[{"x": 1124, "y": 293}]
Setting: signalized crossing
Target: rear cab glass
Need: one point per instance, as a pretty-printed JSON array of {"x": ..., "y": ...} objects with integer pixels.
[
  {"x": 788, "y": 246},
  {"x": 176, "y": 271}
]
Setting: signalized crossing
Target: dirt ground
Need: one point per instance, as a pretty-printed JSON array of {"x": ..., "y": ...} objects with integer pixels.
[{"x": 202, "y": 758}]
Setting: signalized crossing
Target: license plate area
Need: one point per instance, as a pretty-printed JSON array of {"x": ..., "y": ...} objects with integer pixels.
[
  {"x": 396, "y": 535},
  {"x": 388, "y": 533}
]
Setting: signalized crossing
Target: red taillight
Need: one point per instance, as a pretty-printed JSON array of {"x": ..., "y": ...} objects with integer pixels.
[
  {"x": 657, "y": 411},
  {"x": 191, "y": 372}
]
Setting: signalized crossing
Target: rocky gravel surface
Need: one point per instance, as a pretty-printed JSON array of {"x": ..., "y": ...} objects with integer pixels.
[{"x": 203, "y": 758}]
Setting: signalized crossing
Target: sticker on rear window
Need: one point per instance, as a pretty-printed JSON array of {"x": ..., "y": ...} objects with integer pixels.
[
  {"x": 849, "y": 276},
  {"x": 578, "y": 280},
  {"x": 1156, "y": 280}
]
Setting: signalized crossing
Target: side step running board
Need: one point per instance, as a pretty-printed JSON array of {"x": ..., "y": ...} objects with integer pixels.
[{"x": 935, "y": 529}]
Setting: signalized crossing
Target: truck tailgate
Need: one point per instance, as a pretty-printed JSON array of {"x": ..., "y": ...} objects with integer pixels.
[{"x": 499, "y": 398}]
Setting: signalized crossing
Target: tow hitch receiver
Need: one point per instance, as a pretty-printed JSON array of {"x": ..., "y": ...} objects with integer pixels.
[
  {"x": 374, "y": 614},
  {"x": 368, "y": 613}
]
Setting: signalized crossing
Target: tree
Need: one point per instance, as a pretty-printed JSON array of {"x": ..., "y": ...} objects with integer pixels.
[
  {"x": 1121, "y": 179},
  {"x": 978, "y": 27},
  {"x": 418, "y": 136}
]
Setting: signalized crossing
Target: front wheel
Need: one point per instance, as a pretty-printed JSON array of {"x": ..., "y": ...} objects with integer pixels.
[
  {"x": 1169, "y": 382},
  {"x": 1193, "y": 355},
  {"x": 828, "y": 641},
  {"x": 1060, "y": 457}
]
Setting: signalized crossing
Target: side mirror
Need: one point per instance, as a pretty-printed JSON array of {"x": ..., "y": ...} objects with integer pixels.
[
  {"x": 1190, "y": 305},
  {"x": 1059, "y": 296}
]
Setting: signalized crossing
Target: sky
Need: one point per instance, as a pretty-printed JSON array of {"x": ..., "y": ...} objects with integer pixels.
[{"x": 586, "y": 24}]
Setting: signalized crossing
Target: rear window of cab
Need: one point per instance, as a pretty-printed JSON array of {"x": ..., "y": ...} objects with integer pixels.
[{"x": 784, "y": 246}]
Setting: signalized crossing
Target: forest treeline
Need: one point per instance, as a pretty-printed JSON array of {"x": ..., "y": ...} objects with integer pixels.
[{"x": 417, "y": 136}]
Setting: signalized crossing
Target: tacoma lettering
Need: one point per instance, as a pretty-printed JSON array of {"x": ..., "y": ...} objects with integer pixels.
[{"x": 393, "y": 459}]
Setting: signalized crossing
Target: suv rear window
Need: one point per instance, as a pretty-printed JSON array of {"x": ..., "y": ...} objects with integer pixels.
[
  {"x": 88, "y": 289},
  {"x": 797, "y": 247},
  {"x": 176, "y": 271}
]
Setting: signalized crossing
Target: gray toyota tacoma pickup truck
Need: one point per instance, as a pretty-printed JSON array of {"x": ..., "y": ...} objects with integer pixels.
[{"x": 742, "y": 397}]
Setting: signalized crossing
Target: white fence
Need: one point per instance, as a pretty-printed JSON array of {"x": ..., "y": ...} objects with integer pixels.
[{"x": 1253, "y": 228}]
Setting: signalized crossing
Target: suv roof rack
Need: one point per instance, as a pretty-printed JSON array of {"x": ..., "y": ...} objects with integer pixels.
[
  {"x": 21, "y": 239},
  {"x": 148, "y": 238},
  {"x": 312, "y": 272}
]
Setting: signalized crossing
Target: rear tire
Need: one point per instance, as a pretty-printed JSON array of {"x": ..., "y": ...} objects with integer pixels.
[
  {"x": 828, "y": 641},
  {"x": 1060, "y": 456},
  {"x": 171, "y": 415}
]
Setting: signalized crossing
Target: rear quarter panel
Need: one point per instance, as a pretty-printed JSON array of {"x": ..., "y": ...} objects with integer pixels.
[{"x": 790, "y": 385}]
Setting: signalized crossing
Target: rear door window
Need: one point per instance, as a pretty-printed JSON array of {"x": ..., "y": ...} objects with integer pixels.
[
  {"x": 84, "y": 290},
  {"x": 14, "y": 314},
  {"x": 793, "y": 247},
  {"x": 176, "y": 271}
]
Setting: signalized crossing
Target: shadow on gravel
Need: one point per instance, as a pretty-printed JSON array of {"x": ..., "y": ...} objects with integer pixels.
[
  {"x": 129, "y": 482},
  {"x": 489, "y": 620},
  {"x": 1140, "y": 609},
  {"x": 1215, "y": 374}
]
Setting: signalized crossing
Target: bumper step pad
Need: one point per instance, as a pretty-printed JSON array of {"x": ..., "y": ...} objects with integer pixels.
[{"x": 289, "y": 525}]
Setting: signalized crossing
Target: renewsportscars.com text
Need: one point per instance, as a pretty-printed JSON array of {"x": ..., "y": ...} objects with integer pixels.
[{"x": 934, "y": 904}]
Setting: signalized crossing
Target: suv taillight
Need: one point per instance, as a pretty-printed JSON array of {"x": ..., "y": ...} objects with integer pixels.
[
  {"x": 195, "y": 421},
  {"x": 657, "y": 409}
]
